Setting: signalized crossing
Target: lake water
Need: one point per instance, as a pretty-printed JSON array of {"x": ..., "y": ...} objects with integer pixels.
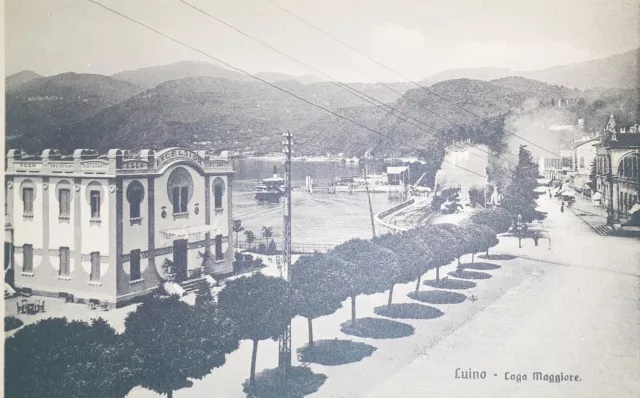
[
  {"x": 316, "y": 218},
  {"x": 329, "y": 218}
]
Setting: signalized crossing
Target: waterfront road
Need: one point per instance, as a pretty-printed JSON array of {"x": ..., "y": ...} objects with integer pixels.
[{"x": 577, "y": 313}]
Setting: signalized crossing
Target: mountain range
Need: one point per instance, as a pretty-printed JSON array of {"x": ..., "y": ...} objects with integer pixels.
[
  {"x": 616, "y": 71},
  {"x": 198, "y": 101}
]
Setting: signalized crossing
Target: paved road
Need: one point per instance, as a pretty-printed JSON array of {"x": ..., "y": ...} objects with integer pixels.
[{"x": 579, "y": 315}]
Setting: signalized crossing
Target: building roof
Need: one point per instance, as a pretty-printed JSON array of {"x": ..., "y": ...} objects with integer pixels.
[
  {"x": 626, "y": 140},
  {"x": 397, "y": 170},
  {"x": 116, "y": 162}
]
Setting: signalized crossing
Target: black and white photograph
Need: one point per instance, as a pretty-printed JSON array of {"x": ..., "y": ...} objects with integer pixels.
[{"x": 321, "y": 198}]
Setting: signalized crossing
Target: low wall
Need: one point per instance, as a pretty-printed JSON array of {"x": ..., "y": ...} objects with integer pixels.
[{"x": 379, "y": 217}]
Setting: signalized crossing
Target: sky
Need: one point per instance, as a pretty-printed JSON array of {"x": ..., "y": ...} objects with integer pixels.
[{"x": 414, "y": 37}]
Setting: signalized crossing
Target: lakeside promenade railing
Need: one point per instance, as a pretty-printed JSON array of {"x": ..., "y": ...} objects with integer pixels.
[{"x": 296, "y": 248}]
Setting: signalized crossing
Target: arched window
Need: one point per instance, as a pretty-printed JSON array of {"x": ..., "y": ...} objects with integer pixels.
[
  {"x": 628, "y": 166},
  {"x": 180, "y": 189},
  {"x": 135, "y": 195},
  {"x": 95, "y": 194},
  {"x": 218, "y": 193}
]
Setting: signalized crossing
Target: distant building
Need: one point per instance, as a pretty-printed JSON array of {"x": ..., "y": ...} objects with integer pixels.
[
  {"x": 557, "y": 167},
  {"x": 111, "y": 228},
  {"x": 398, "y": 175},
  {"x": 618, "y": 171},
  {"x": 584, "y": 157}
]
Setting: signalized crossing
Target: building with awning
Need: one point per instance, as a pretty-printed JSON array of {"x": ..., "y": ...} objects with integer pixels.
[{"x": 117, "y": 226}]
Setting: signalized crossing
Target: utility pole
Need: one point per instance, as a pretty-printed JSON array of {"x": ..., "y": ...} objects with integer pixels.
[
  {"x": 366, "y": 187},
  {"x": 284, "y": 342}
]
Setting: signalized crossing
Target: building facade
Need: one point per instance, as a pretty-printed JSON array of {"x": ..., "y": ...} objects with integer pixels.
[
  {"x": 112, "y": 228},
  {"x": 618, "y": 171},
  {"x": 584, "y": 157}
]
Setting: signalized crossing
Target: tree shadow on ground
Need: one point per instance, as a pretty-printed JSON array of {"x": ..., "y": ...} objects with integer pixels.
[
  {"x": 438, "y": 297},
  {"x": 497, "y": 256},
  {"x": 481, "y": 266},
  {"x": 453, "y": 284},
  {"x": 335, "y": 352},
  {"x": 299, "y": 382},
  {"x": 377, "y": 328},
  {"x": 462, "y": 274},
  {"x": 408, "y": 311}
]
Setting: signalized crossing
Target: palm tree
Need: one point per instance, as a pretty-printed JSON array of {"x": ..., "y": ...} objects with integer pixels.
[
  {"x": 237, "y": 228},
  {"x": 250, "y": 236},
  {"x": 267, "y": 232}
]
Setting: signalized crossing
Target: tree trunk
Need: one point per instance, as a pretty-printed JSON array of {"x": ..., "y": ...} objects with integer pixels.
[
  {"x": 418, "y": 284},
  {"x": 520, "y": 243},
  {"x": 437, "y": 274},
  {"x": 310, "y": 323},
  {"x": 254, "y": 354},
  {"x": 390, "y": 296},
  {"x": 170, "y": 394},
  {"x": 353, "y": 310},
  {"x": 472, "y": 257},
  {"x": 459, "y": 265},
  {"x": 487, "y": 254}
]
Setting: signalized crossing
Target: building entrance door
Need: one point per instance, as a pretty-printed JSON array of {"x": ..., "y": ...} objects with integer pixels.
[{"x": 180, "y": 259}]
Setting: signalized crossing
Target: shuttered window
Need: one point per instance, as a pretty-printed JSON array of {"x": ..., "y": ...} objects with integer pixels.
[
  {"x": 95, "y": 266},
  {"x": 65, "y": 261},
  {"x": 219, "y": 253},
  {"x": 27, "y": 200},
  {"x": 27, "y": 258},
  {"x": 64, "y": 199},
  {"x": 134, "y": 262}
]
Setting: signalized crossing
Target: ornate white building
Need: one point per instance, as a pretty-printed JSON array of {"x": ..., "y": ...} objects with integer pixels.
[{"x": 114, "y": 227}]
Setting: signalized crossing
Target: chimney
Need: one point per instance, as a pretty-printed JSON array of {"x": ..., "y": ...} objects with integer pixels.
[{"x": 275, "y": 172}]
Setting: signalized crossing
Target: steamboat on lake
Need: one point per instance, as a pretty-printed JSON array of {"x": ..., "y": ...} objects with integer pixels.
[{"x": 270, "y": 189}]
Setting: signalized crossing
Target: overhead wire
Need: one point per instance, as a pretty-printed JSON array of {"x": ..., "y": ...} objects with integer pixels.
[
  {"x": 146, "y": 26},
  {"x": 400, "y": 74},
  {"x": 350, "y": 89}
]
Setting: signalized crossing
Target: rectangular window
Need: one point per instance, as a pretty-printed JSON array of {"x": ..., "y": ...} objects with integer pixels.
[
  {"x": 219, "y": 253},
  {"x": 175, "y": 193},
  {"x": 184, "y": 197},
  {"x": 27, "y": 200},
  {"x": 65, "y": 260},
  {"x": 134, "y": 210},
  {"x": 27, "y": 258},
  {"x": 582, "y": 163},
  {"x": 95, "y": 266},
  {"x": 134, "y": 263},
  {"x": 95, "y": 204},
  {"x": 64, "y": 198}
]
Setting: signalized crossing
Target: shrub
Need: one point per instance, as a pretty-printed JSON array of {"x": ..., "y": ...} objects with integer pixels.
[
  {"x": 272, "y": 248},
  {"x": 11, "y": 323},
  {"x": 262, "y": 248}
]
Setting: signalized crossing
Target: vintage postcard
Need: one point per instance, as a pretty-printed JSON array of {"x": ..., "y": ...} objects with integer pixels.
[{"x": 321, "y": 198}]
